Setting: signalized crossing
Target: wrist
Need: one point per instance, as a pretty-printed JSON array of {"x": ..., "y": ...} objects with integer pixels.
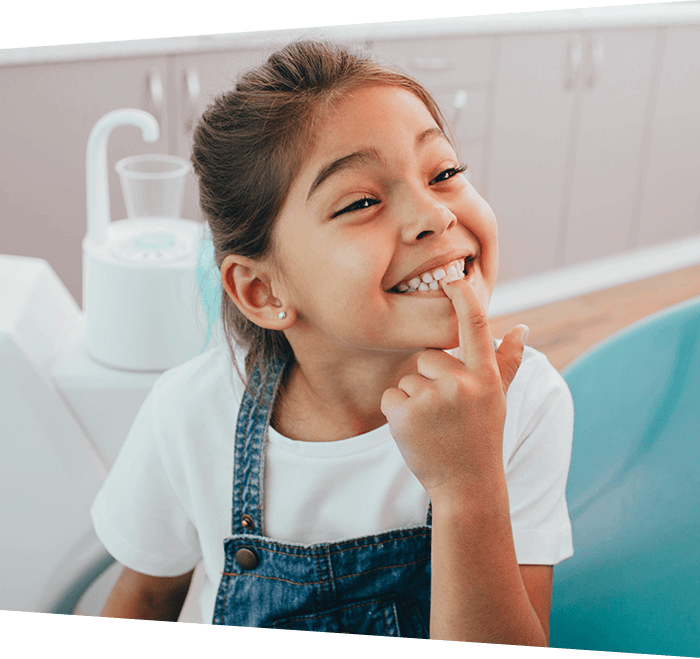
[{"x": 486, "y": 499}]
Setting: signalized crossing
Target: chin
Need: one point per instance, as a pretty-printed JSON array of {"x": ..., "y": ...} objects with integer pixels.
[{"x": 446, "y": 342}]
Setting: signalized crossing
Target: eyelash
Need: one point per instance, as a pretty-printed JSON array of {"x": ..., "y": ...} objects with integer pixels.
[
  {"x": 452, "y": 171},
  {"x": 356, "y": 206},
  {"x": 367, "y": 202}
]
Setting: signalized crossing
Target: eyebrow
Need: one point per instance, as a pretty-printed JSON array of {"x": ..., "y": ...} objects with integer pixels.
[
  {"x": 360, "y": 157},
  {"x": 364, "y": 156}
]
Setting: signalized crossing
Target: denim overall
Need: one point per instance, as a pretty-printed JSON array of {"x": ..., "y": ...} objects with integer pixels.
[{"x": 378, "y": 585}]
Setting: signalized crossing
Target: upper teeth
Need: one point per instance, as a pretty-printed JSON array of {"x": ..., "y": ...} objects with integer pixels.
[{"x": 428, "y": 281}]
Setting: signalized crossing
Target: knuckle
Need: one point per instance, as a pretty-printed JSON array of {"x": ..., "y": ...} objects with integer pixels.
[
  {"x": 486, "y": 386},
  {"x": 455, "y": 388},
  {"x": 423, "y": 359},
  {"x": 408, "y": 382},
  {"x": 428, "y": 395},
  {"x": 479, "y": 319},
  {"x": 429, "y": 358}
]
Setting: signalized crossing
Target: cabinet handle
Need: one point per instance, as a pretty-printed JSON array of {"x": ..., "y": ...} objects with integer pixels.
[
  {"x": 458, "y": 104},
  {"x": 431, "y": 63},
  {"x": 596, "y": 52},
  {"x": 193, "y": 94},
  {"x": 574, "y": 65},
  {"x": 156, "y": 93}
]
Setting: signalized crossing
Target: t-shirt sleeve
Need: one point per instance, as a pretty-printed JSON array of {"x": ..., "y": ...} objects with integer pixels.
[
  {"x": 137, "y": 513},
  {"x": 537, "y": 465}
]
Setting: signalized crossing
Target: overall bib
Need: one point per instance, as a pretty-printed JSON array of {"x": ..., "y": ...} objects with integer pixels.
[{"x": 378, "y": 585}]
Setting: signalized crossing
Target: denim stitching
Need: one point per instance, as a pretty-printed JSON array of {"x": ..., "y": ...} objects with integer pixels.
[
  {"x": 396, "y": 618},
  {"x": 320, "y": 583}
]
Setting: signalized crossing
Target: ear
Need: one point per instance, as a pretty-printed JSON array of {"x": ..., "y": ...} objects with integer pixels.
[{"x": 247, "y": 284}]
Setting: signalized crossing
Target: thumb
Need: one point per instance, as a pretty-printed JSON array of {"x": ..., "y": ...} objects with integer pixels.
[{"x": 510, "y": 354}]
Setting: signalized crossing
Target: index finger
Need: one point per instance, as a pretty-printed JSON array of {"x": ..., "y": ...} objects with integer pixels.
[{"x": 475, "y": 339}]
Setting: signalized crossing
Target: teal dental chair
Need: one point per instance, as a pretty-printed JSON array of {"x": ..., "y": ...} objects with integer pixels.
[{"x": 633, "y": 584}]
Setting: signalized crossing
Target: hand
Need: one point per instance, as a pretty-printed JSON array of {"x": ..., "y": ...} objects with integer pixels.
[{"x": 447, "y": 419}]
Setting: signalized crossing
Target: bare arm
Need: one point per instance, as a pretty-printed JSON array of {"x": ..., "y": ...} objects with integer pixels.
[
  {"x": 479, "y": 592},
  {"x": 137, "y": 595}
]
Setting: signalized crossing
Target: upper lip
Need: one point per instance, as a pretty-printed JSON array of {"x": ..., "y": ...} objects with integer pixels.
[{"x": 431, "y": 264}]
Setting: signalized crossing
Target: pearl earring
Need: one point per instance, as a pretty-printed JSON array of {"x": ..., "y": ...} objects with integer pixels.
[{"x": 281, "y": 315}]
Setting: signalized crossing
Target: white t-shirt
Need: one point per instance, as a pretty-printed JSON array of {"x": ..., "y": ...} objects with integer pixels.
[{"x": 166, "y": 504}]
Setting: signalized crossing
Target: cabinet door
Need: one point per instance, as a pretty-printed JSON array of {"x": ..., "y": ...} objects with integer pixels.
[
  {"x": 48, "y": 111},
  {"x": 608, "y": 155},
  {"x": 670, "y": 207},
  {"x": 197, "y": 79},
  {"x": 441, "y": 62},
  {"x": 535, "y": 93}
]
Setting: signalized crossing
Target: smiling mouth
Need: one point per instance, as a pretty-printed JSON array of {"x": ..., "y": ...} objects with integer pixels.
[{"x": 429, "y": 280}]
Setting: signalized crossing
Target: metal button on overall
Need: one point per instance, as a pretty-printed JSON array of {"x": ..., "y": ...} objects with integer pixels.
[
  {"x": 246, "y": 559},
  {"x": 247, "y": 522}
]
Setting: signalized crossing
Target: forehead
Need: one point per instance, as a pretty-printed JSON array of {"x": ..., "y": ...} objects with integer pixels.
[{"x": 367, "y": 113}]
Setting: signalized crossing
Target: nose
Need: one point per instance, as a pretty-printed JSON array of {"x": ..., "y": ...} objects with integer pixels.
[{"x": 422, "y": 215}]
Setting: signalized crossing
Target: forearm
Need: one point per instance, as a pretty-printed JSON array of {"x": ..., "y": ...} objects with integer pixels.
[
  {"x": 477, "y": 591},
  {"x": 136, "y": 595}
]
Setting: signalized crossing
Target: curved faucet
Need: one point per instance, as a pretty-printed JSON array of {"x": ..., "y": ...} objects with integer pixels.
[{"x": 96, "y": 178}]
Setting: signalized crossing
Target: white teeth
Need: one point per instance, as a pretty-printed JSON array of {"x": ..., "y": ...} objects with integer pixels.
[{"x": 428, "y": 281}]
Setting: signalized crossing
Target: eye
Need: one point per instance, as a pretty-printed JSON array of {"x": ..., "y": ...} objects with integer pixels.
[
  {"x": 448, "y": 174},
  {"x": 360, "y": 204}
]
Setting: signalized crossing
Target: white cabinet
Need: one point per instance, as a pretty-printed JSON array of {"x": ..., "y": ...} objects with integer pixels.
[
  {"x": 567, "y": 152},
  {"x": 535, "y": 94},
  {"x": 670, "y": 199},
  {"x": 607, "y": 147}
]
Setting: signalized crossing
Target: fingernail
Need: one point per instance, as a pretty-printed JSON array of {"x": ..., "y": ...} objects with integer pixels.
[{"x": 526, "y": 333}]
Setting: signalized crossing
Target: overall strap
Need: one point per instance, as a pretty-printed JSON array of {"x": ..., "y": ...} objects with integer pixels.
[{"x": 249, "y": 452}]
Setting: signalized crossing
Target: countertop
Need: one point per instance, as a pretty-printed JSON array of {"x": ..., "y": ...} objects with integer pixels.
[{"x": 671, "y": 13}]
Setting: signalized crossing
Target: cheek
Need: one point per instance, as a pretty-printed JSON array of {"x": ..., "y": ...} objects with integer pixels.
[
  {"x": 485, "y": 227},
  {"x": 486, "y": 231},
  {"x": 350, "y": 260},
  {"x": 356, "y": 269}
]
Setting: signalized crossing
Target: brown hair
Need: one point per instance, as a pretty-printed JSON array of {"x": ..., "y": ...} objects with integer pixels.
[{"x": 250, "y": 144}]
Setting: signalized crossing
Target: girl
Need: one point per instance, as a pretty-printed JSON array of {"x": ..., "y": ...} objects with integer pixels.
[{"x": 354, "y": 254}]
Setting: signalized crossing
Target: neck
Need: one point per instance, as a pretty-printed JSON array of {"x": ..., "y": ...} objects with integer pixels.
[{"x": 328, "y": 400}]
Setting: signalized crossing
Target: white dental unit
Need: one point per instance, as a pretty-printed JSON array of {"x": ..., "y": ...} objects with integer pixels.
[{"x": 71, "y": 382}]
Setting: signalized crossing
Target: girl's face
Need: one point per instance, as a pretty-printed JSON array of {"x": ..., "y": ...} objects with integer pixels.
[{"x": 379, "y": 200}]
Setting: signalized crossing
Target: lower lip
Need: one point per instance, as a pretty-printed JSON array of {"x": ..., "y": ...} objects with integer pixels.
[{"x": 438, "y": 293}]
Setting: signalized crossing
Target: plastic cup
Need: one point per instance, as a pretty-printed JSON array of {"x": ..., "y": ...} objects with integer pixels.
[{"x": 153, "y": 185}]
